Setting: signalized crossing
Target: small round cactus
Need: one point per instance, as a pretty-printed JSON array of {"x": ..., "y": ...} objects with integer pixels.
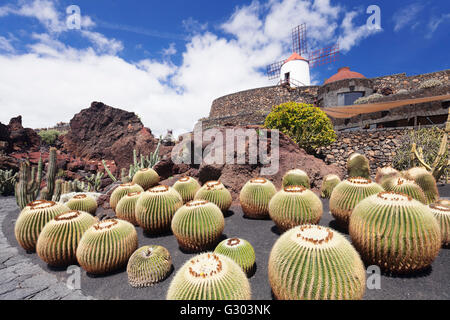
[
  {"x": 156, "y": 208},
  {"x": 328, "y": 184},
  {"x": 198, "y": 225},
  {"x": 348, "y": 194},
  {"x": 121, "y": 191},
  {"x": 296, "y": 177},
  {"x": 426, "y": 181},
  {"x": 255, "y": 197},
  {"x": 442, "y": 214},
  {"x": 187, "y": 187},
  {"x": 107, "y": 246},
  {"x": 126, "y": 207},
  {"x": 148, "y": 265},
  {"x": 32, "y": 220},
  {"x": 408, "y": 187},
  {"x": 395, "y": 232},
  {"x": 295, "y": 206},
  {"x": 240, "y": 250},
  {"x": 358, "y": 166},
  {"x": 146, "y": 178},
  {"x": 386, "y": 173},
  {"x": 215, "y": 192},
  {"x": 311, "y": 262},
  {"x": 210, "y": 276},
  {"x": 58, "y": 241},
  {"x": 83, "y": 202}
]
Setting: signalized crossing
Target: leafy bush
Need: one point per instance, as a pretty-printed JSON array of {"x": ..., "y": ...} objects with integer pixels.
[
  {"x": 49, "y": 136},
  {"x": 309, "y": 126}
]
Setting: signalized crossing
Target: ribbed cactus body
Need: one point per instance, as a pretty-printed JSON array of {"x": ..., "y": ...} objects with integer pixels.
[
  {"x": 426, "y": 181},
  {"x": 83, "y": 202},
  {"x": 358, "y": 166},
  {"x": 198, "y": 225},
  {"x": 146, "y": 178},
  {"x": 294, "y": 206},
  {"x": 255, "y": 197},
  {"x": 395, "y": 232},
  {"x": 187, "y": 187},
  {"x": 315, "y": 263},
  {"x": 210, "y": 276},
  {"x": 156, "y": 208},
  {"x": 215, "y": 192},
  {"x": 348, "y": 194},
  {"x": 121, "y": 191},
  {"x": 107, "y": 246},
  {"x": 58, "y": 241},
  {"x": 126, "y": 208},
  {"x": 240, "y": 251},
  {"x": 408, "y": 187},
  {"x": 386, "y": 173},
  {"x": 444, "y": 202},
  {"x": 328, "y": 184},
  {"x": 148, "y": 265},
  {"x": 32, "y": 220},
  {"x": 296, "y": 177},
  {"x": 442, "y": 214}
]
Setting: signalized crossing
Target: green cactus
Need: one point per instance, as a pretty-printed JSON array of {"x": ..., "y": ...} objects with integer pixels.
[
  {"x": 28, "y": 187},
  {"x": 58, "y": 190},
  {"x": 83, "y": 202},
  {"x": 51, "y": 173},
  {"x": 121, "y": 191},
  {"x": 95, "y": 181},
  {"x": 210, "y": 276},
  {"x": 126, "y": 208},
  {"x": 148, "y": 265},
  {"x": 386, "y": 173},
  {"x": 215, "y": 192},
  {"x": 107, "y": 246},
  {"x": 146, "y": 178},
  {"x": 426, "y": 181},
  {"x": 294, "y": 206},
  {"x": 395, "y": 232},
  {"x": 7, "y": 182},
  {"x": 187, "y": 187},
  {"x": 255, "y": 197},
  {"x": 296, "y": 177},
  {"x": 442, "y": 214},
  {"x": 240, "y": 251},
  {"x": 408, "y": 187},
  {"x": 328, "y": 184},
  {"x": 311, "y": 262},
  {"x": 198, "y": 225},
  {"x": 58, "y": 241},
  {"x": 358, "y": 166}
]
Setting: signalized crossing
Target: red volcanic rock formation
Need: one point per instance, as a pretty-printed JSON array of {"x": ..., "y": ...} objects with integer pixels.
[{"x": 21, "y": 139}]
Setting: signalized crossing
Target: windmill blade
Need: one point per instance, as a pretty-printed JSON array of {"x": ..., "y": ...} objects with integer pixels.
[
  {"x": 324, "y": 56},
  {"x": 299, "y": 41},
  {"x": 274, "y": 69}
]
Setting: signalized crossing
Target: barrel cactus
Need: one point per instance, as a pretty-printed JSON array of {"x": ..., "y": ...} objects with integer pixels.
[
  {"x": 240, "y": 250},
  {"x": 83, "y": 202},
  {"x": 107, "y": 246},
  {"x": 215, "y": 192},
  {"x": 358, "y": 166},
  {"x": 255, "y": 197},
  {"x": 58, "y": 241},
  {"x": 198, "y": 225},
  {"x": 146, "y": 178},
  {"x": 210, "y": 276},
  {"x": 386, "y": 173},
  {"x": 444, "y": 202},
  {"x": 295, "y": 206},
  {"x": 395, "y": 232},
  {"x": 426, "y": 181},
  {"x": 148, "y": 265},
  {"x": 348, "y": 194},
  {"x": 408, "y": 187},
  {"x": 442, "y": 214},
  {"x": 121, "y": 191},
  {"x": 187, "y": 187},
  {"x": 328, "y": 184},
  {"x": 296, "y": 177},
  {"x": 311, "y": 262},
  {"x": 126, "y": 207},
  {"x": 156, "y": 208},
  {"x": 32, "y": 220}
]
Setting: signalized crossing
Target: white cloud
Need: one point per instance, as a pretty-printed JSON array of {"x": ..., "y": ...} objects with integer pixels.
[
  {"x": 5, "y": 45},
  {"x": 352, "y": 35},
  {"x": 102, "y": 43},
  {"x": 407, "y": 16},
  {"x": 435, "y": 22}
]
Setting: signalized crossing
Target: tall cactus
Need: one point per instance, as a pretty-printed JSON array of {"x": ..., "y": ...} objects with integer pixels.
[
  {"x": 51, "y": 173},
  {"x": 28, "y": 187}
]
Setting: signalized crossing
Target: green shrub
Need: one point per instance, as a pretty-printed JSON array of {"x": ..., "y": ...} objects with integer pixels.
[
  {"x": 49, "y": 136},
  {"x": 307, "y": 125}
]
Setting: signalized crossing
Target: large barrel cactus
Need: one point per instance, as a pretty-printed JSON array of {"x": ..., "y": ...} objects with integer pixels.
[
  {"x": 215, "y": 192},
  {"x": 210, "y": 276},
  {"x": 121, "y": 191},
  {"x": 386, "y": 173},
  {"x": 83, "y": 202},
  {"x": 296, "y": 177},
  {"x": 408, "y": 187},
  {"x": 148, "y": 265},
  {"x": 32, "y": 220},
  {"x": 395, "y": 232},
  {"x": 106, "y": 246},
  {"x": 442, "y": 214},
  {"x": 126, "y": 208},
  {"x": 156, "y": 208},
  {"x": 426, "y": 181},
  {"x": 187, "y": 187},
  {"x": 255, "y": 197},
  {"x": 358, "y": 166},
  {"x": 328, "y": 184},
  {"x": 58, "y": 241},
  {"x": 311, "y": 262},
  {"x": 146, "y": 178},
  {"x": 198, "y": 225},
  {"x": 240, "y": 250},
  {"x": 295, "y": 206}
]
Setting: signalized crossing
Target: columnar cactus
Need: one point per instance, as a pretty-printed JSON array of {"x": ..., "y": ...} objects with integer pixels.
[
  {"x": 126, "y": 208},
  {"x": 58, "y": 241},
  {"x": 156, "y": 208},
  {"x": 358, "y": 166},
  {"x": 83, "y": 202},
  {"x": 148, "y": 265},
  {"x": 395, "y": 232},
  {"x": 32, "y": 220},
  {"x": 121, "y": 191},
  {"x": 28, "y": 186},
  {"x": 107, "y": 246},
  {"x": 146, "y": 178},
  {"x": 328, "y": 184},
  {"x": 187, "y": 187},
  {"x": 408, "y": 187},
  {"x": 426, "y": 181},
  {"x": 311, "y": 262},
  {"x": 215, "y": 192},
  {"x": 198, "y": 225},
  {"x": 386, "y": 173},
  {"x": 296, "y": 177},
  {"x": 210, "y": 276},
  {"x": 348, "y": 194},
  {"x": 240, "y": 250},
  {"x": 295, "y": 206},
  {"x": 255, "y": 197},
  {"x": 442, "y": 214}
]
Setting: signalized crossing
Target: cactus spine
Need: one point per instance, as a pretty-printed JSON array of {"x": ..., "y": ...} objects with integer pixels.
[
  {"x": 240, "y": 251},
  {"x": 426, "y": 181},
  {"x": 83, "y": 202},
  {"x": 328, "y": 184},
  {"x": 408, "y": 187},
  {"x": 442, "y": 214},
  {"x": 296, "y": 177},
  {"x": 215, "y": 192},
  {"x": 358, "y": 166},
  {"x": 187, "y": 187},
  {"x": 126, "y": 208},
  {"x": 386, "y": 173},
  {"x": 255, "y": 197},
  {"x": 121, "y": 191},
  {"x": 146, "y": 178}
]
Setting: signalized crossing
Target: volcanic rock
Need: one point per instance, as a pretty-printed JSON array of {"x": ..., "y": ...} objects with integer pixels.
[{"x": 21, "y": 139}]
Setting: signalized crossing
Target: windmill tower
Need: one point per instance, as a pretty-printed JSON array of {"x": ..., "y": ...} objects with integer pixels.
[{"x": 295, "y": 71}]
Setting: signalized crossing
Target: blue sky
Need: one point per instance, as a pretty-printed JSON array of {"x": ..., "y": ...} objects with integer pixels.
[{"x": 168, "y": 60}]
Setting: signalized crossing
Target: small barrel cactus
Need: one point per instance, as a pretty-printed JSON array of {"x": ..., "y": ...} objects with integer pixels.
[
  {"x": 358, "y": 166},
  {"x": 295, "y": 206},
  {"x": 121, "y": 191},
  {"x": 210, "y": 276},
  {"x": 240, "y": 250},
  {"x": 83, "y": 202},
  {"x": 146, "y": 178},
  {"x": 348, "y": 194},
  {"x": 296, "y": 177},
  {"x": 148, "y": 265},
  {"x": 198, "y": 225},
  {"x": 58, "y": 241},
  {"x": 156, "y": 208},
  {"x": 386, "y": 173},
  {"x": 255, "y": 197},
  {"x": 328, "y": 184},
  {"x": 187, "y": 187},
  {"x": 311, "y": 262},
  {"x": 107, "y": 246},
  {"x": 32, "y": 220},
  {"x": 426, "y": 181},
  {"x": 408, "y": 187},
  {"x": 395, "y": 232},
  {"x": 442, "y": 214},
  {"x": 126, "y": 208},
  {"x": 215, "y": 192}
]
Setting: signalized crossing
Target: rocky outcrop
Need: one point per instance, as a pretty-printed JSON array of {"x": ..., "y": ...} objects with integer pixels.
[{"x": 15, "y": 138}]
